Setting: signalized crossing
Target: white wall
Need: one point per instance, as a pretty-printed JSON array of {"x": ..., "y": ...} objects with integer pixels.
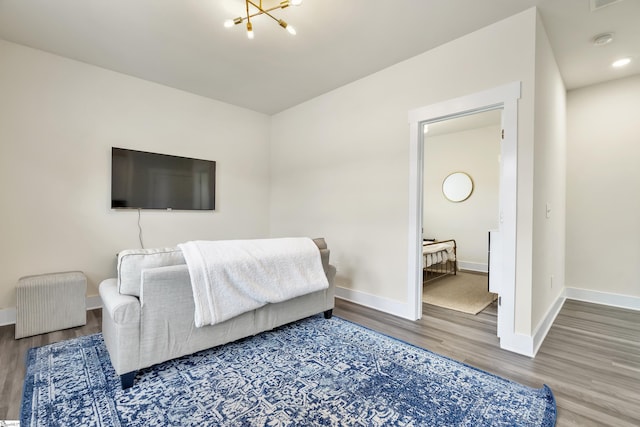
[
  {"x": 603, "y": 188},
  {"x": 58, "y": 121},
  {"x": 549, "y": 188},
  {"x": 340, "y": 162},
  {"x": 475, "y": 152}
]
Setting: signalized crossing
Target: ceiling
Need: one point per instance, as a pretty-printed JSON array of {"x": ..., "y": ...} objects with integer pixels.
[{"x": 183, "y": 44}]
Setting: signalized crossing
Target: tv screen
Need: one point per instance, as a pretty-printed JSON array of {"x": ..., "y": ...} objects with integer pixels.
[{"x": 141, "y": 180}]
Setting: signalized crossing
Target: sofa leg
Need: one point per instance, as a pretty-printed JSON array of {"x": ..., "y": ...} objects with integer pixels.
[
  {"x": 328, "y": 314},
  {"x": 127, "y": 379}
]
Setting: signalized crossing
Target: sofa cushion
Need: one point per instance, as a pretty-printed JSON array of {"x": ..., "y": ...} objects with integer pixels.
[{"x": 131, "y": 262}]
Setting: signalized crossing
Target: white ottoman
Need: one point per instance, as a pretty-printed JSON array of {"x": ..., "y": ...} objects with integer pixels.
[{"x": 50, "y": 302}]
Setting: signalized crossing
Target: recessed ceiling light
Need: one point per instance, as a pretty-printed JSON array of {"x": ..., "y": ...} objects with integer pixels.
[
  {"x": 602, "y": 39},
  {"x": 621, "y": 62}
]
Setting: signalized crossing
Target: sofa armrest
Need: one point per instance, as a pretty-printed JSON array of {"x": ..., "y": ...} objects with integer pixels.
[
  {"x": 121, "y": 308},
  {"x": 121, "y": 316},
  {"x": 331, "y": 274}
]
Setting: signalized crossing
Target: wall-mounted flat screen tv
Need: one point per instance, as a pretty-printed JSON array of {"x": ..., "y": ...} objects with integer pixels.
[{"x": 141, "y": 180}]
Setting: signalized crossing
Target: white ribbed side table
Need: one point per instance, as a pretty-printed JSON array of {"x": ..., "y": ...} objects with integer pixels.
[{"x": 50, "y": 302}]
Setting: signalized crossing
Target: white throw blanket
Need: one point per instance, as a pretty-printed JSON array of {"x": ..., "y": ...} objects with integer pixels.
[{"x": 230, "y": 277}]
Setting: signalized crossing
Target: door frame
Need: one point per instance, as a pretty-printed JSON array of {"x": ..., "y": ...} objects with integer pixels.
[{"x": 503, "y": 97}]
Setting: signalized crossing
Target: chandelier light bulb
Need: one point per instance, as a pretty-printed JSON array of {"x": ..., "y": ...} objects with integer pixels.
[
  {"x": 228, "y": 23},
  {"x": 250, "y": 31},
  {"x": 296, "y": 2},
  {"x": 286, "y": 26}
]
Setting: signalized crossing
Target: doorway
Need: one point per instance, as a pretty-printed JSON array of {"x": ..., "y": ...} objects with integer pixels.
[
  {"x": 460, "y": 205},
  {"x": 503, "y": 241}
]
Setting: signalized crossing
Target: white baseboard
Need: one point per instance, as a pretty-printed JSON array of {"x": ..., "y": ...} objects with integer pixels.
[
  {"x": 604, "y": 298},
  {"x": 528, "y": 345},
  {"x": 545, "y": 324},
  {"x": 473, "y": 266},
  {"x": 385, "y": 305},
  {"x": 8, "y": 315},
  {"x": 94, "y": 302},
  {"x": 518, "y": 343}
]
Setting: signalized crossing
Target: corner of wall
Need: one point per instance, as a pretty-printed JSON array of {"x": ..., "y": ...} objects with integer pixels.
[{"x": 549, "y": 182}]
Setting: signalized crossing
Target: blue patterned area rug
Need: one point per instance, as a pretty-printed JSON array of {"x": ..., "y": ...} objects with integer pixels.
[{"x": 315, "y": 372}]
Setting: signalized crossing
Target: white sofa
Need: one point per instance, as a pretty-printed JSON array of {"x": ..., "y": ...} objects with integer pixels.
[{"x": 148, "y": 311}]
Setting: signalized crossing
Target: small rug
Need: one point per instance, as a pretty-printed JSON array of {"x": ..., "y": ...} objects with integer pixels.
[
  {"x": 465, "y": 292},
  {"x": 314, "y": 372}
]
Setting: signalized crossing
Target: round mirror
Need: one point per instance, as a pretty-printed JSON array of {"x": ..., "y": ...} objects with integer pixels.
[{"x": 457, "y": 187}]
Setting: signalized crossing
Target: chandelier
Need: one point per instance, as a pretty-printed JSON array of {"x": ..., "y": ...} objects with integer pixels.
[{"x": 260, "y": 10}]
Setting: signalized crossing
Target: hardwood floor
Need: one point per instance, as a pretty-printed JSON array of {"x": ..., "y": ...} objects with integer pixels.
[
  {"x": 590, "y": 358},
  {"x": 12, "y": 359}
]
